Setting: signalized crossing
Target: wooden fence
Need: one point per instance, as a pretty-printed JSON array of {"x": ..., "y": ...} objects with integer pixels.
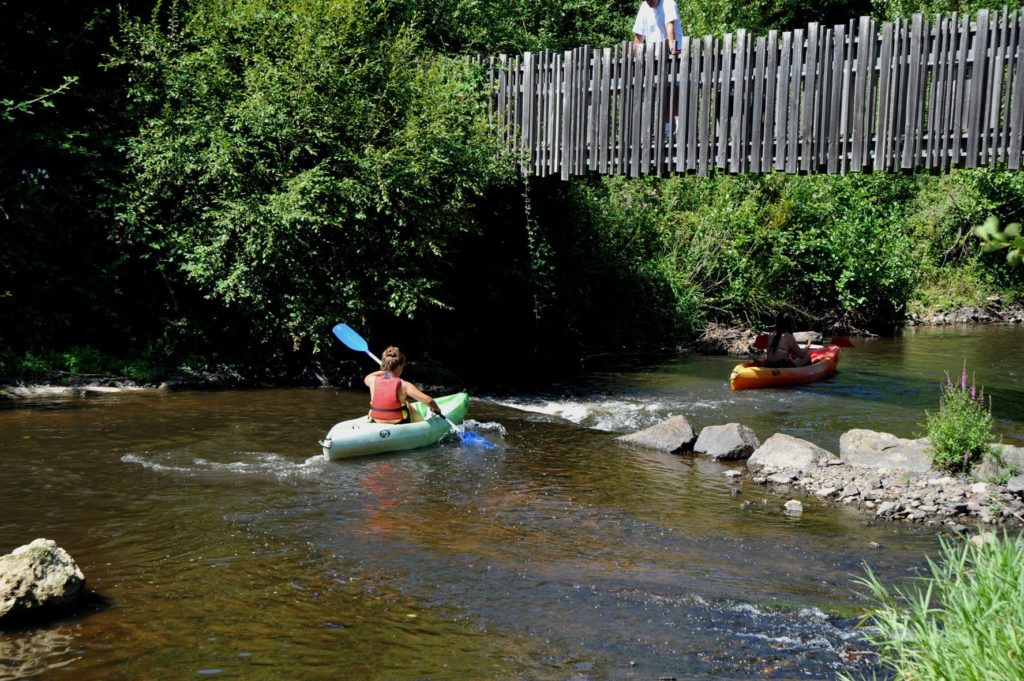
[{"x": 920, "y": 94}]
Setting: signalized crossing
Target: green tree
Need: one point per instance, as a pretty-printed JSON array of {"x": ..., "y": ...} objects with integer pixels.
[{"x": 301, "y": 162}]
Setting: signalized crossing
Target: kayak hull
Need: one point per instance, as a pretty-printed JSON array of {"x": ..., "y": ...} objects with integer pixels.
[
  {"x": 749, "y": 375},
  {"x": 361, "y": 437}
]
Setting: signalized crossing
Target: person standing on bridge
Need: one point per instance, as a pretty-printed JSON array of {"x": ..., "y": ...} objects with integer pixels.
[{"x": 658, "y": 20}]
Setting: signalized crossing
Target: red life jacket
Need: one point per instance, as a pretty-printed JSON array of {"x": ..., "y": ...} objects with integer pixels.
[{"x": 385, "y": 404}]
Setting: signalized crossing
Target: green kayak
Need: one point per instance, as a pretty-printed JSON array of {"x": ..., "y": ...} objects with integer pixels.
[{"x": 360, "y": 436}]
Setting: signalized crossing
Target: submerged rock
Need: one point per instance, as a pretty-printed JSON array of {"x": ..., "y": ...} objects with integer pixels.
[
  {"x": 672, "y": 435},
  {"x": 36, "y": 577}
]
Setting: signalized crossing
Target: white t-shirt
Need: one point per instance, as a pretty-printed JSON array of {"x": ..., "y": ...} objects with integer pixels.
[{"x": 650, "y": 21}]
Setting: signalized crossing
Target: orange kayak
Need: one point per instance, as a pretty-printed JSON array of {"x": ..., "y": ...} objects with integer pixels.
[{"x": 824, "y": 362}]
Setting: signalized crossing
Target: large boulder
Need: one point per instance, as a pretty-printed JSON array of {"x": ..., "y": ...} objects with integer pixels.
[
  {"x": 37, "y": 576},
  {"x": 730, "y": 441},
  {"x": 869, "y": 449},
  {"x": 783, "y": 452},
  {"x": 672, "y": 435}
]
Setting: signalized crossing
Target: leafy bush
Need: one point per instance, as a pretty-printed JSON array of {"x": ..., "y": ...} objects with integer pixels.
[
  {"x": 965, "y": 621},
  {"x": 83, "y": 360},
  {"x": 303, "y": 162},
  {"x": 143, "y": 371},
  {"x": 34, "y": 366},
  {"x": 960, "y": 433}
]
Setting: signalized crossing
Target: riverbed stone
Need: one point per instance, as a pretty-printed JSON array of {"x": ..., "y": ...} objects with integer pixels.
[
  {"x": 1015, "y": 485},
  {"x": 672, "y": 435},
  {"x": 784, "y": 477},
  {"x": 888, "y": 508},
  {"x": 1004, "y": 461},
  {"x": 1012, "y": 456},
  {"x": 957, "y": 507},
  {"x": 35, "y": 577},
  {"x": 729, "y": 441},
  {"x": 871, "y": 449},
  {"x": 782, "y": 452},
  {"x": 794, "y": 507}
]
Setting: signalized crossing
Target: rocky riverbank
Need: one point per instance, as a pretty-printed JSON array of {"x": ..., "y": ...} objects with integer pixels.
[
  {"x": 738, "y": 341},
  {"x": 884, "y": 476},
  {"x": 993, "y": 312}
]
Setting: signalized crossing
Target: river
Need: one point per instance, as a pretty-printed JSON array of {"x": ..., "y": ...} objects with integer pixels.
[{"x": 220, "y": 543}]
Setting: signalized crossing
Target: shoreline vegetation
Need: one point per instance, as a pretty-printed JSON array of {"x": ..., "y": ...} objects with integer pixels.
[
  {"x": 84, "y": 371},
  {"x": 196, "y": 191},
  {"x": 214, "y": 183}
]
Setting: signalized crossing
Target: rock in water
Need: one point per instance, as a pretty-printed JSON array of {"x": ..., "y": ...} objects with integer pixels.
[
  {"x": 37, "y": 576},
  {"x": 672, "y": 435},
  {"x": 784, "y": 452},
  {"x": 731, "y": 441}
]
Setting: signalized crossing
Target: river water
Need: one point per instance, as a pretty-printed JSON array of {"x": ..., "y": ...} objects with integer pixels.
[{"x": 219, "y": 543}]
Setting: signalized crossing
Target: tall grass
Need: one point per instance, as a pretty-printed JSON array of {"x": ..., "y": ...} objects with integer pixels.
[{"x": 965, "y": 622}]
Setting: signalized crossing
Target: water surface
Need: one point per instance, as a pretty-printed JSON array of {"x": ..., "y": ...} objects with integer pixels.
[{"x": 224, "y": 545}]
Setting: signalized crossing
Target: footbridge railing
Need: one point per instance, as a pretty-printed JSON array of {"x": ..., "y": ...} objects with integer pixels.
[{"x": 924, "y": 93}]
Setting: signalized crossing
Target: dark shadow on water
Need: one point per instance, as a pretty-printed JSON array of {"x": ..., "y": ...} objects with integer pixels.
[{"x": 87, "y": 605}]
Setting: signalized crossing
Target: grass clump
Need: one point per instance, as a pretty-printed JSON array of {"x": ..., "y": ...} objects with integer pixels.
[
  {"x": 960, "y": 432},
  {"x": 964, "y": 622}
]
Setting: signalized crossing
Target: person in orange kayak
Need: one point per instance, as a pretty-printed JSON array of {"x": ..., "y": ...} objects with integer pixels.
[
  {"x": 784, "y": 351},
  {"x": 389, "y": 394}
]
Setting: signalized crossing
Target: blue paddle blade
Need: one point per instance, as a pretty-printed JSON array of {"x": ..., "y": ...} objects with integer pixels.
[
  {"x": 474, "y": 440},
  {"x": 350, "y": 338}
]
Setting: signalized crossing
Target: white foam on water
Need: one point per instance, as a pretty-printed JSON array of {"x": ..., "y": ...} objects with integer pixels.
[
  {"x": 747, "y": 608},
  {"x": 156, "y": 466},
  {"x": 252, "y": 463},
  {"x": 785, "y": 642},
  {"x": 813, "y": 614},
  {"x": 484, "y": 427},
  {"x": 609, "y": 415}
]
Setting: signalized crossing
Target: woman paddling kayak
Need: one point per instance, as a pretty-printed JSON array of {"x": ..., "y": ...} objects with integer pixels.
[
  {"x": 389, "y": 393},
  {"x": 784, "y": 351}
]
